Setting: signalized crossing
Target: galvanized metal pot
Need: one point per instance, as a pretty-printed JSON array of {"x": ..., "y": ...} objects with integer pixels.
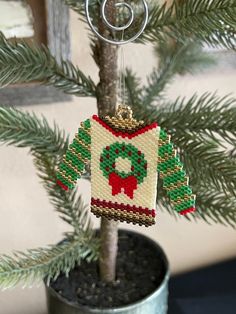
[{"x": 156, "y": 303}]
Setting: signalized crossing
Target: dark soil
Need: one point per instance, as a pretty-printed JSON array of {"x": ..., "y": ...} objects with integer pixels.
[{"x": 140, "y": 271}]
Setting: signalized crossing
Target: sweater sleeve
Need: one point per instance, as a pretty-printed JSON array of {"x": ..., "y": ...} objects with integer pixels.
[
  {"x": 76, "y": 157},
  {"x": 174, "y": 176}
]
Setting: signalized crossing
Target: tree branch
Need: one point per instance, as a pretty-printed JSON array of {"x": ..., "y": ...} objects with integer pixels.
[
  {"x": 37, "y": 264},
  {"x": 21, "y": 63},
  {"x": 211, "y": 22}
]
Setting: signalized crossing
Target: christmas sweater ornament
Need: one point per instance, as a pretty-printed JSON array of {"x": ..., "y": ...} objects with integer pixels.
[{"x": 125, "y": 157}]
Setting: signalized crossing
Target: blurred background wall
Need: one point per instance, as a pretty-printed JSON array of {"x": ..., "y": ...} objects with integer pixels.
[{"x": 27, "y": 220}]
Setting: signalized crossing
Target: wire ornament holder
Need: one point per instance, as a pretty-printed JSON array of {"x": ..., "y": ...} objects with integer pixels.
[{"x": 118, "y": 28}]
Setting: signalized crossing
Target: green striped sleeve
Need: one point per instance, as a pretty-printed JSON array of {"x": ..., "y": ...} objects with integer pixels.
[
  {"x": 175, "y": 180},
  {"x": 76, "y": 157}
]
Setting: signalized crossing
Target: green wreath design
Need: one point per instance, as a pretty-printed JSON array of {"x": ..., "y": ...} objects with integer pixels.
[{"x": 111, "y": 153}]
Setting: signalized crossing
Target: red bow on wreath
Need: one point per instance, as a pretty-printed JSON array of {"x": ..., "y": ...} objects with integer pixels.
[{"x": 129, "y": 184}]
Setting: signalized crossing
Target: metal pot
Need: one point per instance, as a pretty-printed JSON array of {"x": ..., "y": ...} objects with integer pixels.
[{"x": 156, "y": 303}]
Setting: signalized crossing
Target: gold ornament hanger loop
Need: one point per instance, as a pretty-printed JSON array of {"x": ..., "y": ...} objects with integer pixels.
[
  {"x": 123, "y": 112},
  {"x": 123, "y": 120}
]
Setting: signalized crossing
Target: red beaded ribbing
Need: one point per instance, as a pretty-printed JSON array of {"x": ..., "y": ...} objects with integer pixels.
[{"x": 128, "y": 208}]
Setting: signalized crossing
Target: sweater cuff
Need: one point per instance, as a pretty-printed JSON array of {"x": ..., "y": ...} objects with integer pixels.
[
  {"x": 62, "y": 185},
  {"x": 187, "y": 211}
]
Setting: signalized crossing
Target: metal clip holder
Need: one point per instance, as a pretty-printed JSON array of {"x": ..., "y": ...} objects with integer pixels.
[{"x": 118, "y": 28}]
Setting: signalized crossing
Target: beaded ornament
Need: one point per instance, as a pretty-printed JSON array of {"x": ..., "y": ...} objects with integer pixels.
[{"x": 125, "y": 157}]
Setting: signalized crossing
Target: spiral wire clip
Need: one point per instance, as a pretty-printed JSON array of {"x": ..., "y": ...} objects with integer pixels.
[{"x": 118, "y": 28}]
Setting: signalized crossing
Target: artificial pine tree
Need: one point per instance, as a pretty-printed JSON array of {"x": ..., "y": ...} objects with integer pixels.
[{"x": 200, "y": 126}]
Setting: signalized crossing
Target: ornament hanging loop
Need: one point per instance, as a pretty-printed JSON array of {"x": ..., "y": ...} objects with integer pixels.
[
  {"x": 124, "y": 112},
  {"x": 118, "y": 28}
]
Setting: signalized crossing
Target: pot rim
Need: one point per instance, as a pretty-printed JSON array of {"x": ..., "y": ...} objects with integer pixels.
[{"x": 154, "y": 294}]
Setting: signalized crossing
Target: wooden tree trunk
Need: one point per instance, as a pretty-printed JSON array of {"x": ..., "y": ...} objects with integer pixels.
[{"x": 106, "y": 57}]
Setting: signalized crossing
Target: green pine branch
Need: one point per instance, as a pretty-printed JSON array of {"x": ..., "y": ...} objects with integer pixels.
[
  {"x": 216, "y": 206},
  {"x": 46, "y": 263},
  {"x": 205, "y": 162},
  {"x": 23, "y": 62},
  {"x": 26, "y": 130},
  {"x": 208, "y": 115},
  {"x": 71, "y": 80},
  {"x": 212, "y": 22},
  {"x": 174, "y": 58}
]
